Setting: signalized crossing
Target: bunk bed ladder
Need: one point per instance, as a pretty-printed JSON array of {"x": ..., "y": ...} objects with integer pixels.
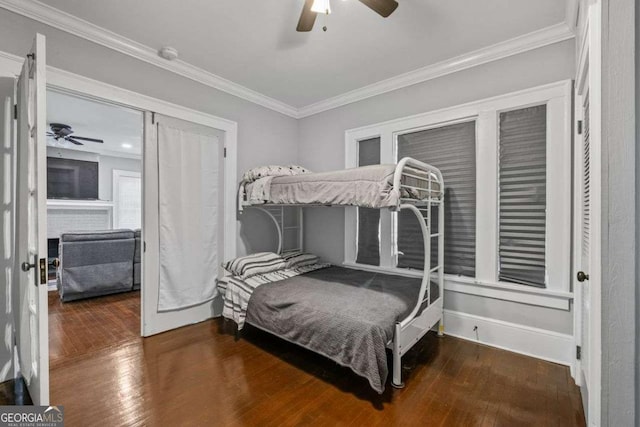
[
  {"x": 289, "y": 226},
  {"x": 401, "y": 344}
]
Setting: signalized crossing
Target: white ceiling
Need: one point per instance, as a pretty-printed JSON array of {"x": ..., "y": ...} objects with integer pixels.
[
  {"x": 254, "y": 42},
  {"x": 114, "y": 124}
]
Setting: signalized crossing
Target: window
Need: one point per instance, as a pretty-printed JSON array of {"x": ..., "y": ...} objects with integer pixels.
[
  {"x": 523, "y": 195},
  {"x": 506, "y": 163},
  {"x": 452, "y": 149},
  {"x": 368, "y": 219},
  {"x": 127, "y": 199}
]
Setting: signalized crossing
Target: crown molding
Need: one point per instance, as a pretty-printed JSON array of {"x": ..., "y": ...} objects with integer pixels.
[
  {"x": 63, "y": 21},
  {"x": 546, "y": 36},
  {"x": 78, "y": 27},
  {"x": 571, "y": 14}
]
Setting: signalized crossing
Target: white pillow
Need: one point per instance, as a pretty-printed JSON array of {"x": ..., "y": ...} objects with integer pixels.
[{"x": 272, "y": 170}]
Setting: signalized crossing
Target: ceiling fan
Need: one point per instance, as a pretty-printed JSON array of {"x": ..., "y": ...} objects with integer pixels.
[
  {"x": 311, "y": 9},
  {"x": 62, "y": 131}
]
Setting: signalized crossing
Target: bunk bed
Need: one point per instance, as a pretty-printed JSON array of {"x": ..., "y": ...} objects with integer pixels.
[{"x": 349, "y": 315}]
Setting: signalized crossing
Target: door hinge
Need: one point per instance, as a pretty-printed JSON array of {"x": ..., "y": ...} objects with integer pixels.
[
  {"x": 15, "y": 111},
  {"x": 578, "y": 352},
  {"x": 225, "y": 152},
  {"x": 144, "y": 246},
  {"x": 579, "y": 127}
]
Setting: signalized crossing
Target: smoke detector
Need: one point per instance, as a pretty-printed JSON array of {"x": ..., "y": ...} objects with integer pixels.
[{"x": 168, "y": 53}]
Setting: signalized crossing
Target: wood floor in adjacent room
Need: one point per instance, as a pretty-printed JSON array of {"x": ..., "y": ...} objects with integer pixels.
[{"x": 104, "y": 373}]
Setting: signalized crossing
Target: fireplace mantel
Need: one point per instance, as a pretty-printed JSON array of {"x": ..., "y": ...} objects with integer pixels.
[
  {"x": 67, "y": 216},
  {"x": 78, "y": 204}
]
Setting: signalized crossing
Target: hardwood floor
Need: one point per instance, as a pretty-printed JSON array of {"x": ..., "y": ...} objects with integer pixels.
[
  {"x": 79, "y": 328},
  {"x": 200, "y": 375}
]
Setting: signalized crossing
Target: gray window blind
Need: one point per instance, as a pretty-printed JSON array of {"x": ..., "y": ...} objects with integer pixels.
[
  {"x": 368, "y": 219},
  {"x": 523, "y": 195},
  {"x": 452, "y": 149}
]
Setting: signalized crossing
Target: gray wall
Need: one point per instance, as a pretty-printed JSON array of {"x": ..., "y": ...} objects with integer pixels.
[
  {"x": 264, "y": 136},
  {"x": 322, "y": 148},
  {"x": 7, "y": 214},
  {"x": 106, "y": 165},
  {"x": 619, "y": 251}
]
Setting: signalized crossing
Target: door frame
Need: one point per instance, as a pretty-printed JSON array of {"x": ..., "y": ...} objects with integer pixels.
[
  {"x": 589, "y": 78},
  {"x": 76, "y": 85}
]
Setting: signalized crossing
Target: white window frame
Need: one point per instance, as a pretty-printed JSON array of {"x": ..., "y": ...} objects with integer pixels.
[
  {"x": 486, "y": 113},
  {"x": 117, "y": 174}
]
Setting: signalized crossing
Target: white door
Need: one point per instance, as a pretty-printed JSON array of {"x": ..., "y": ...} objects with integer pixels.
[
  {"x": 32, "y": 334},
  {"x": 183, "y": 239},
  {"x": 587, "y": 217}
]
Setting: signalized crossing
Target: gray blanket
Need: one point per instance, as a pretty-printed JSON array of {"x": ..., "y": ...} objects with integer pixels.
[
  {"x": 344, "y": 314},
  {"x": 366, "y": 186}
]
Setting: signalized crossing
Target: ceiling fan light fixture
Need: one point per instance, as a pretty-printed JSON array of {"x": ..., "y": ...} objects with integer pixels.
[{"x": 321, "y": 6}]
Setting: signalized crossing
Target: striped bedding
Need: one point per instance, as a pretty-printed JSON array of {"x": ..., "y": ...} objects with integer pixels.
[
  {"x": 236, "y": 291},
  {"x": 254, "y": 264}
]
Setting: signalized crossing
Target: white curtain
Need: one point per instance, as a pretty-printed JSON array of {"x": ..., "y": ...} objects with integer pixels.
[{"x": 189, "y": 183}]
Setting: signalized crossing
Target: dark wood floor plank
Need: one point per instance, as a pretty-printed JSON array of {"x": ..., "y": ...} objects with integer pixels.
[{"x": 201, "y": 375}]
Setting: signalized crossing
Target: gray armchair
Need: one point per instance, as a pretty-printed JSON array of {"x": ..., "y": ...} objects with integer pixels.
[{"x": 95, "y": 263}]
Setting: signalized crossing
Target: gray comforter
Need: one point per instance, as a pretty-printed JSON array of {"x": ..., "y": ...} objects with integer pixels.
[{"x": 344, "y": 314}]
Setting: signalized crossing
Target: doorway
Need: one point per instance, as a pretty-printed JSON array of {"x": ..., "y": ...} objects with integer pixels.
[{"x": 94, "y": 224}]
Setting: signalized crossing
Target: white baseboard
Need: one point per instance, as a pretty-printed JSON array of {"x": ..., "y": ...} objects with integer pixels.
[{"x": 542, "y": 344}]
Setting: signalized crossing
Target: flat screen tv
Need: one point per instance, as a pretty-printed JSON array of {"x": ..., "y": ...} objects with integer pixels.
[{"x": 72, "y": 179}]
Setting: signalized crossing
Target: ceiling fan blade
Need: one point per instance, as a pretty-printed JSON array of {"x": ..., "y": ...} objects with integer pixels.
[
  {"x": 73, "y": 141},
  {"x": 383, "y": 8},
  {"x": 307, "y": 18},
  {"x": 82, "y": 138}
]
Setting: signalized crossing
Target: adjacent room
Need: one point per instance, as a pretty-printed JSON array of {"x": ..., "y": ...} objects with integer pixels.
[
  {"x": 320, "y": 212},
  {"x": 94, "y": 221}
]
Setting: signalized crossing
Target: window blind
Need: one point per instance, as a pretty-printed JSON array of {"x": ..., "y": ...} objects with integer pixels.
[
  {"x": 452, "y": 149},
  {"x": 129, "y": 202},
  {"x": 522, "y": 182},
  {"x": 368, "y": 219}
]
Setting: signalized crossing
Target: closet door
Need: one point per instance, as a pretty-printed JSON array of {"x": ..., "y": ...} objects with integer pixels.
[
  {"x": 587, "y": 247},
  {"x": 183, "y": 223}
]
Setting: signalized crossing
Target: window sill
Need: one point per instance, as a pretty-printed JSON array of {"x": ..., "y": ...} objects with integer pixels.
[{"x": 497, "y": 290}]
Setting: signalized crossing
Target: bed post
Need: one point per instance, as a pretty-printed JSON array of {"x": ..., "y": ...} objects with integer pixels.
[
  {"x": 396, "y": 380},
  {"x": 441, "y": 262}
]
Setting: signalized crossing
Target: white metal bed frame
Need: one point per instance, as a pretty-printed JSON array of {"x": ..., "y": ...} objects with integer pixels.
[{"x": 412, "y": 328}]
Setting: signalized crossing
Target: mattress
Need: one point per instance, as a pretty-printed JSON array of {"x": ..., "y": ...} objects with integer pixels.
[
  {"x": 367, "y": 186},
  {"x": 344, "y": 314}
]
